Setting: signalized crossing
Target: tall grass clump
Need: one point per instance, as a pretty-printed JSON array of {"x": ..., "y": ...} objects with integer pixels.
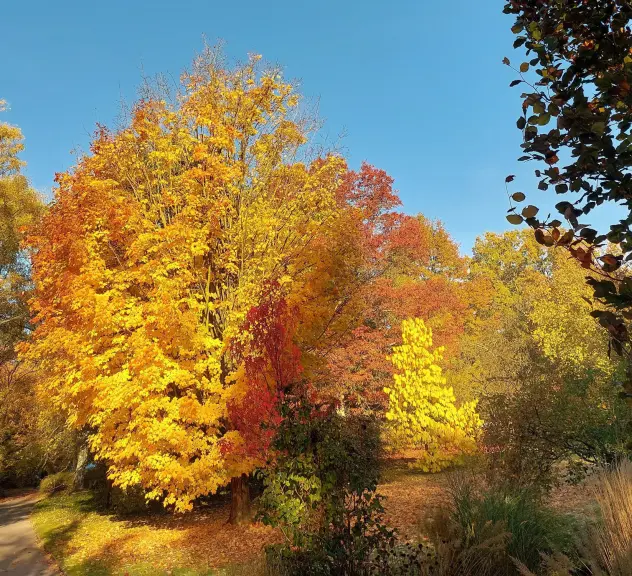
[
  {"x": 613, "y": 534},
  {"x": 489, "y": 532},
  {"x": 606, "y": 546}
]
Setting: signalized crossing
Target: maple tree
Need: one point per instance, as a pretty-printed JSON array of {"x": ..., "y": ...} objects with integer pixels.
[
  {"x": 199, "y": 263},
  {"x": 148, "y": 265},
  {"x": 422, "y": 410},
  {"x": 19, "y": 206}
]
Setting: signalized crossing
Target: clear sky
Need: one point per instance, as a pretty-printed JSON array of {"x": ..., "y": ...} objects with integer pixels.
[{"x": 417, "y": 87}]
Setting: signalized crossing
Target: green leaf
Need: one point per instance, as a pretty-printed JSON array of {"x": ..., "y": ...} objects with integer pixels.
[
  {"x": 535, "y": 31},
  {"x": 515, "y": 219}
]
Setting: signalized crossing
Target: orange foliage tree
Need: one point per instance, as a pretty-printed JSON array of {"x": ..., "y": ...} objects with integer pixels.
[
  {"x": 195, "y": 265},
  {"x": 156, "y": 248},
  {"x": 411, "y": 268},
  {"x": 199, "y": 263}
]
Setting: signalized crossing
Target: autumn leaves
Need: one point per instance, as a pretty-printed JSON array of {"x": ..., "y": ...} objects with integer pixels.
[{"x": 201, "y": 264}]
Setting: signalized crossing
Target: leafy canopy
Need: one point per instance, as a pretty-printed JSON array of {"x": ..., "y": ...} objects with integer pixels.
[
  {"x": 576, "y": 123},
  {"x": 156, "y": 248}
]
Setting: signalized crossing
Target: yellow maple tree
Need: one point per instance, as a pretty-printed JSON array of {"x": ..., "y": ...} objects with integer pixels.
[{"x": 156, "y": 247}]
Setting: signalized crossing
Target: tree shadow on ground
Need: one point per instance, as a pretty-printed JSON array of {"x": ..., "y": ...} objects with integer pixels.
[
  {"x": 100, "y": 562},
  {"x": 200, "y": 542},
  {"x": 15, "y": 510}
]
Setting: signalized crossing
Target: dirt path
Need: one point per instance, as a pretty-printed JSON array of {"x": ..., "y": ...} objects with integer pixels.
[{"x": 19, "y": 553}]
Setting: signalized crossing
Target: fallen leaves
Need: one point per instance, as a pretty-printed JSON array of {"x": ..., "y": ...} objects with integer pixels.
[{"x": 78, "y": 535}]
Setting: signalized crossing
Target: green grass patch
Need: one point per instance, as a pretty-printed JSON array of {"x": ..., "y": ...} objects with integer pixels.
[{"x": 87, "y": 541}]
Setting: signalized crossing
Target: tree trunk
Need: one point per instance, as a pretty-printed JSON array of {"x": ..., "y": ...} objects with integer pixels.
[
  {"x": 80, "y": 468},
  {"x": 240, "y": 500}
]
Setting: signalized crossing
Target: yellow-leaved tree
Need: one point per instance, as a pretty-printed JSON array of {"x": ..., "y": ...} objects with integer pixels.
[
  {"x": 159, "y": 244},
  {"x": 32, "y": 439},
  {"x": 422, "y": 410}
]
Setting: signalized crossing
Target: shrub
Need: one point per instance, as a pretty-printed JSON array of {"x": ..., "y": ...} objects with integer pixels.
[
  {"x": 486, "y": 532},
  {"x": 291, "y": 498},
  {"x": 552, "y": 419},
  {"x": 319, "y": 460},
  {"x": 61, "y": 481},
  {"x": 129, "y": 501},
  {"x": 329, "y": 534},
  {"x": 355, "y": 539},
  {"x": 320, "y": 492}
]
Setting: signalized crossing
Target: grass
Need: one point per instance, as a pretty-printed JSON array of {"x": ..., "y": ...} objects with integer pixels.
[
  {"x": 88, "y": 542},
  {"x": 492, "y": 531},
  {"x": 605, "y": 546},
  {"x": 532, "y": 527},
  {"x": 613, "y": 538}
]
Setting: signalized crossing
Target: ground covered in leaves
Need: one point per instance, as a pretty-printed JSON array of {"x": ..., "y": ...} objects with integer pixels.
[
  {"x": 86, "y": 541},
  {"x": 412, "y": 498},
  {"x": 89, "y": 542}
]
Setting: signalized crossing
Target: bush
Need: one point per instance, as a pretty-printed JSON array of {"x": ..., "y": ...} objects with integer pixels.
[
  {"x": 129, "y": 501},
  {"x": 553, "y": 419},
  {"x": 318, "y": 461},
  {"x": 60, "y": 482},
  {"x": 320, "y": 492},
  {"x": 486, "y": 532}
]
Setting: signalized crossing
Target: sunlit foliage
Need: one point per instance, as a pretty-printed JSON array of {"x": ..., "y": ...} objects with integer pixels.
[{"x": 422, "y": 408}]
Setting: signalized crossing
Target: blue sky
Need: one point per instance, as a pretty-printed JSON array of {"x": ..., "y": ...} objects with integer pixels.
[{"x": 416, "y": 87}]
